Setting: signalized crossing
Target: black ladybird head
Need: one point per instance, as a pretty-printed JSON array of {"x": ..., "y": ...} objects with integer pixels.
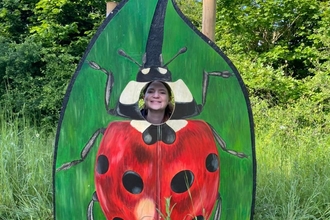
[
  {"x": 156, "y": 70},
  {"x": 154, "y": 73}
]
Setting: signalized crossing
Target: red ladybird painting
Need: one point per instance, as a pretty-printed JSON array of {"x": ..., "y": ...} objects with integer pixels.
[{"x": 113, "y": 161}]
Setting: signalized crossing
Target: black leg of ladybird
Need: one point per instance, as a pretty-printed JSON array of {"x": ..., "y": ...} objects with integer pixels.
[
  {"x": 223, "y": 145},
  {"x": 206, "y": 75},
  {"x": 217, "y": 214},
  {"x": 91, "y": 206},
  {"x": 84, "y": 151},
  {"x": 108, "y": 89}
]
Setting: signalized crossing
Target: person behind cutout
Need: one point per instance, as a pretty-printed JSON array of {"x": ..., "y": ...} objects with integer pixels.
[{"x": 157, "y": 107}]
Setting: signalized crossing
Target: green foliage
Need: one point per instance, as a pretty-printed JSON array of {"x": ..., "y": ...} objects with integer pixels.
[
  {"x": 279, "y": 89},
  {"x": 21, "y": 65},
  {"x": 278, "y": 32},
  {"x": 70, "y": 24},
  {"x": 15, "y": 18},
  {"x": 34, "y": 79},
  {"x": 268, "y": 83},
  {"x": 41, "y": 43},
  {"x": 57, "y": 72}
]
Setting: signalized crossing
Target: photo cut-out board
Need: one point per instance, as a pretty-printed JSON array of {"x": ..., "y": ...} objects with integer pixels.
[{"x": 110, "y": 163}]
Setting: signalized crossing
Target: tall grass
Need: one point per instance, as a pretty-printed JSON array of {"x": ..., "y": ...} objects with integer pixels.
[
  {"x": 25, "y": 170},
  {"x": 293, "y": 156},
  {"x": 292, "y": 150}
]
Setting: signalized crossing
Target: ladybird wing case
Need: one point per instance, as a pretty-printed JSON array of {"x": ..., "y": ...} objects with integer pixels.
[{"x": 85, "y": 111}]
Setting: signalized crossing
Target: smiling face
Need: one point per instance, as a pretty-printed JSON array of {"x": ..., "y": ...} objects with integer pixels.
[{"x": 156, "y": 97}]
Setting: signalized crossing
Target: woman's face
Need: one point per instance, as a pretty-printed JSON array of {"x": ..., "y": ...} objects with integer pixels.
[{"x": 156, "y": 96}]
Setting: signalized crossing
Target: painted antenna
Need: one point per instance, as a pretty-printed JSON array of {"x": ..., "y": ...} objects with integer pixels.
[
  {"x": 122, "y": 53},
  {"x": 181, "y": 51}
]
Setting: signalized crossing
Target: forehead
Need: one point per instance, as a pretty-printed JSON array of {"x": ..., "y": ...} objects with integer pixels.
[{"x": 157, "y": 85}]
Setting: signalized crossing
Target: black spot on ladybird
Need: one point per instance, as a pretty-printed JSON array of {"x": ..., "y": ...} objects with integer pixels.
[
  {"x": 102, "y": 165},
  {"x": 182, "y": 181},
  {"x": 132, "y": 182},
  {"x": 212, "y": 162}
]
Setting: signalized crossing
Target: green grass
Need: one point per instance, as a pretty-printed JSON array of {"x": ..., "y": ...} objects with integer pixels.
[
  {"x": 25, "y": 170},
  {"x": 292, "y": 150}
]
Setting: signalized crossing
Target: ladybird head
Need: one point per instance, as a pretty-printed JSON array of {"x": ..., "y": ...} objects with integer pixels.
[{"x": 153, "y": 69}]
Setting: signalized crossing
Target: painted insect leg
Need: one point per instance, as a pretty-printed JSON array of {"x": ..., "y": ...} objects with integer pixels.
[
  {"x": 91, "y": 206},
  {"x": 108, "y": 88},
  {"x": 206, "y": 76},
  {"x": 84, "y": 151},
  {"x": 217, "y": 214},
  {"x": 223, "y": 146}
]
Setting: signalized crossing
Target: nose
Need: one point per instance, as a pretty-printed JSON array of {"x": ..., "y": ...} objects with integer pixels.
[{"x": 156, "y": 94}]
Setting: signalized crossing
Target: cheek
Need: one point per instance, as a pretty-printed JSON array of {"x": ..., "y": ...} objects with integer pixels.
[{"x": 164, "y": 97}]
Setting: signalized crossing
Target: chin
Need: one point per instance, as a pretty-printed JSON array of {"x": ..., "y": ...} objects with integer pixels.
[{"x": 157, "y": 109}]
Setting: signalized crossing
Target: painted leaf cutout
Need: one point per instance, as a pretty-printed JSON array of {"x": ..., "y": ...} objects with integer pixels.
[{"x": 110, "y": 163}]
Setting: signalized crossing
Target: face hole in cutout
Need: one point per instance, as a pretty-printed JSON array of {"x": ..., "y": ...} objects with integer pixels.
[
  {"x": 132, "y": 182},
  {"x": 212, "y": 162},
  {"x": 169, "y": 109},
  {"x": 102, "y": 165},
  {"x": 182, "y": 181}
]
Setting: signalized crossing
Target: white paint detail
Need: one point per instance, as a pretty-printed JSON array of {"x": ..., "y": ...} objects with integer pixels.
[
  {"x": 131, "y": 92},
  {"x": 181, "y": 92},
  {"x": 145, "y": 71},
  {"x": 177, "y": 125},
  {"x": 162, "y": 70},
  {"x": 142, "y": 125}
]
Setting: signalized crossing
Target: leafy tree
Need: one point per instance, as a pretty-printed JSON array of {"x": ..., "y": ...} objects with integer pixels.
[
  {"x": 41, "y": 43},
  {"x": 70, "y": 24},
  {"x": 275, "y": 44},
  {"x": 278, "y": 32},
  {"x": 16, "y": 17},
  {"x": 193, "y": 10},
  {"x": 21, "y": 64}
]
